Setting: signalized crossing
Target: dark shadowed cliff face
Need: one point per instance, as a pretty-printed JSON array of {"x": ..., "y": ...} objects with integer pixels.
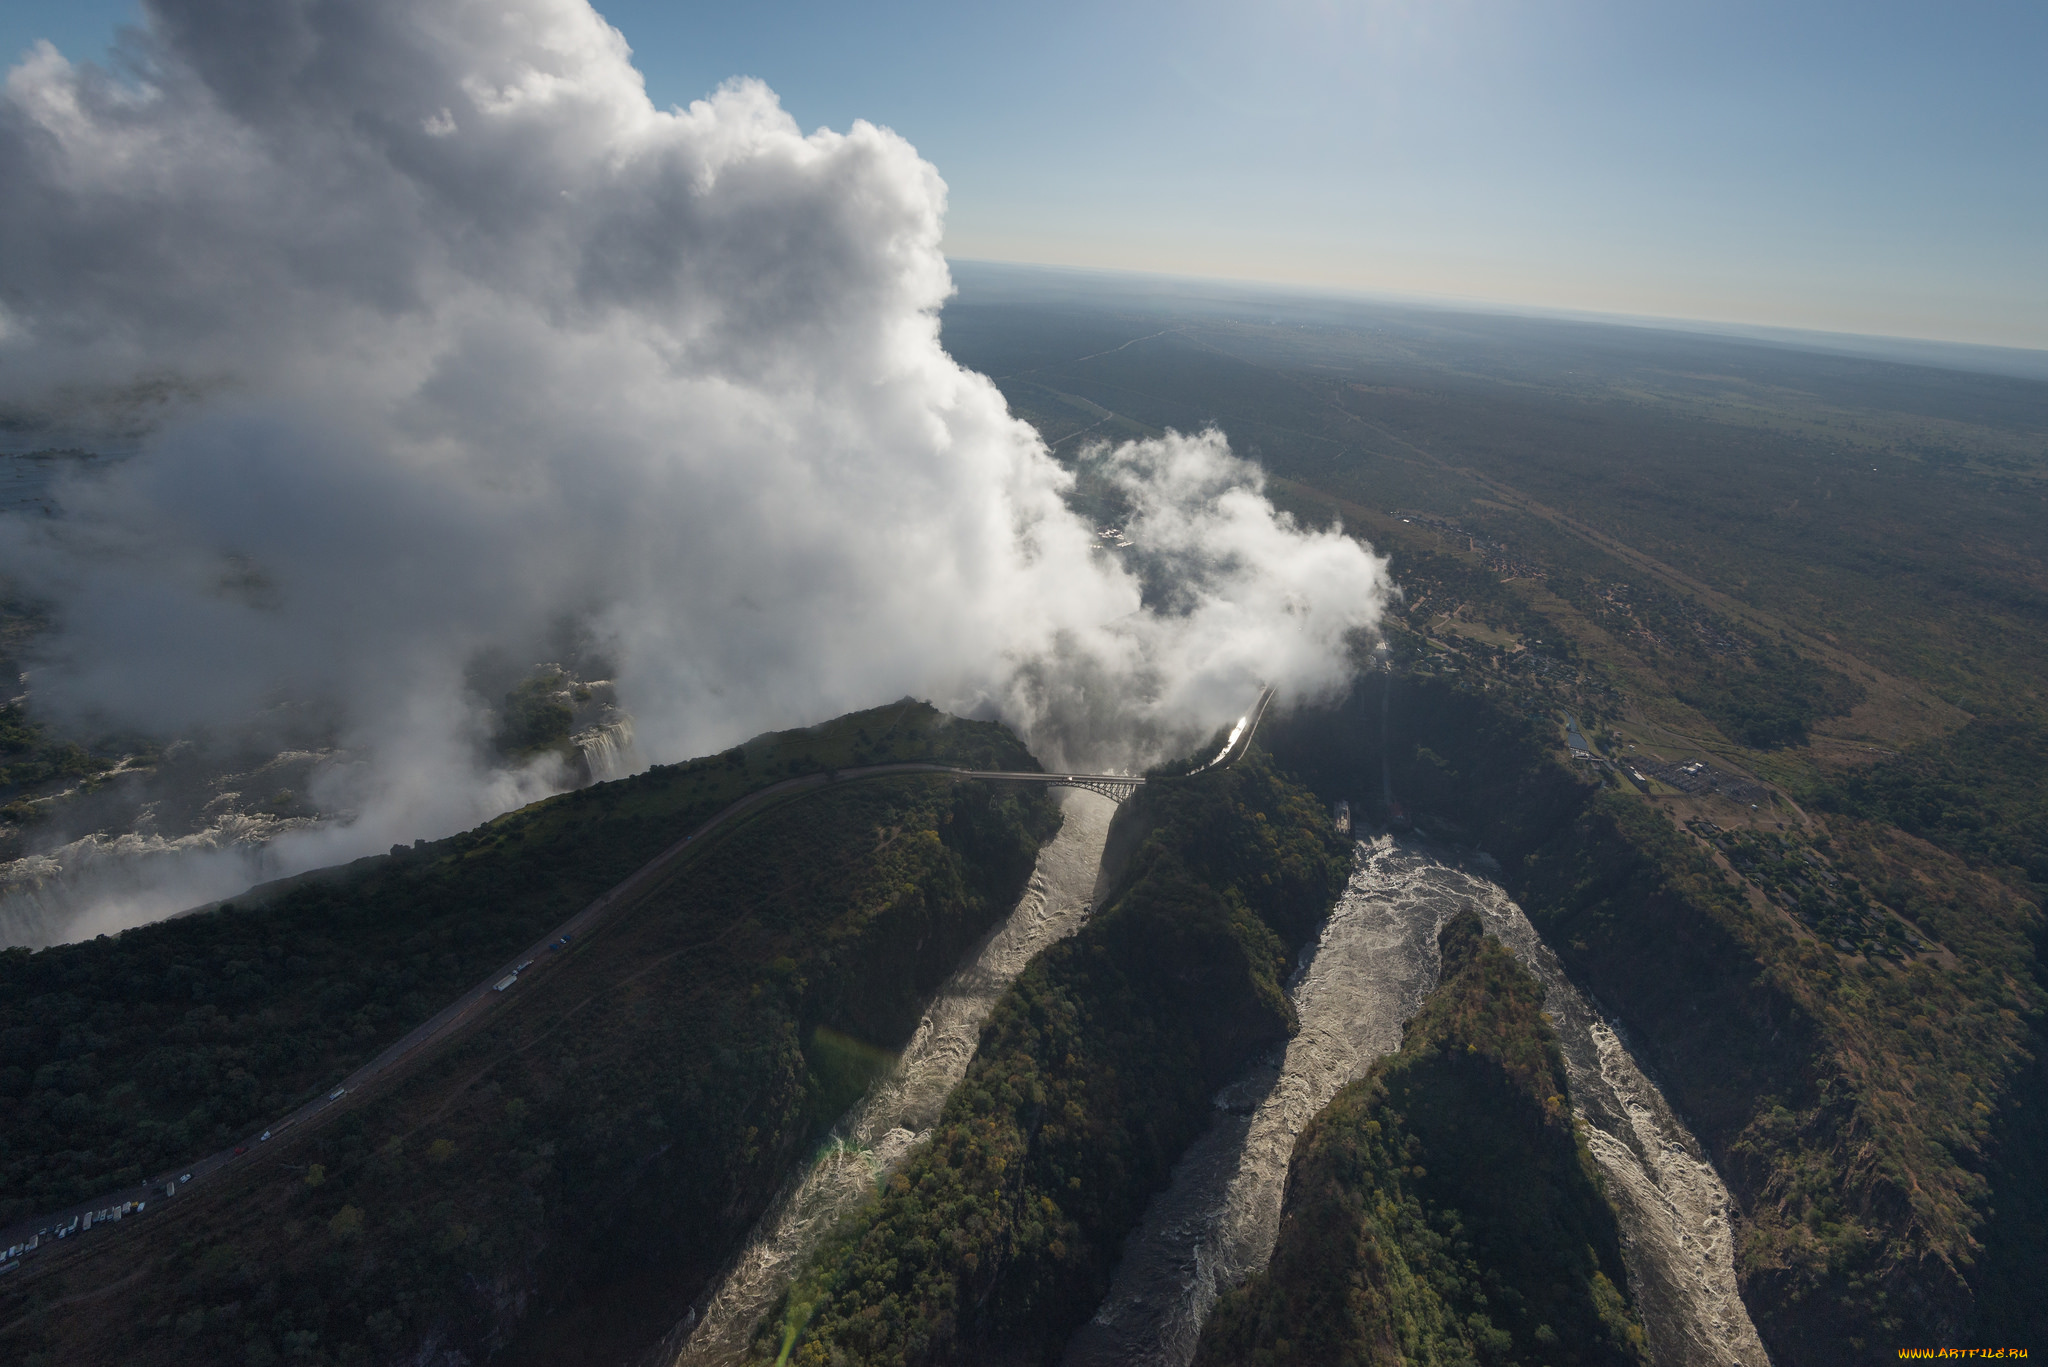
[
  {"x": 1093, "y": 1075},
  {"x": 1442, "y": 1209}
]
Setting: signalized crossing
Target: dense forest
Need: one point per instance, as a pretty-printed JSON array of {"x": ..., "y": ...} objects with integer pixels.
[
  {"x": 1443, "y": 1209},
  {"x": 129, "y": 1053},
  {"x": 619, "y": 1130},
  {"x": 996, "y": 1241}
]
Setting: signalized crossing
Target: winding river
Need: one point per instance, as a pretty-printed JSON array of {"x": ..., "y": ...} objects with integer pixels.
[
  {"x": 1373, "y": 964},
  {"x": 899, "y": 1111}
]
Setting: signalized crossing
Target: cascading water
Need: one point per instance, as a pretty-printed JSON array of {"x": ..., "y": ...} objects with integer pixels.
[
  {"x": 97, "y": 883},
  {"x": 899, "y": 1111},
  {"x": 1374, "y": 963},
  {"x": 1228, "y": 745},
  {"x": 608, "y": 750}
]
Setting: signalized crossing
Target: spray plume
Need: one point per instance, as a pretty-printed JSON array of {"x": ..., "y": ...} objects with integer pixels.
[{"x": 451, "y": 336}]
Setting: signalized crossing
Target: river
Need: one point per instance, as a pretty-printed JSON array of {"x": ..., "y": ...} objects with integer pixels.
[
  {"x": 899, "y": 1111},
  {"x": 1374, "y": 962}
]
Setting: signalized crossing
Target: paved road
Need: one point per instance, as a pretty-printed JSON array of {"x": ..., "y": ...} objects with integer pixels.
[
  {"x": 537, "y": 958},
  {"x": 469, "y": 1006}
]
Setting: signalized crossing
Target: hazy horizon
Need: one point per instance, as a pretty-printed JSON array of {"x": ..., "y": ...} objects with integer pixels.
[
  {"x": 1863, "y": 171},
  {"x": 1942, "y": 352}
]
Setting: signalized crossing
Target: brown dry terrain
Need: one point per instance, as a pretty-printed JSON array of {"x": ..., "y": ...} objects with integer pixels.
[{"x": 1798, "y": 604}]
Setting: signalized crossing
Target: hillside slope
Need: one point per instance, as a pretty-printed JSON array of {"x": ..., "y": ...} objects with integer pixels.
[
  {"x": 559, "y": 1183},
  {"x": 1443, "y": 1209},
  {"x": 996, "y": 1242},
  {"x": 125, "y": 1055},
  {"x": 1869, "y": 1104}
]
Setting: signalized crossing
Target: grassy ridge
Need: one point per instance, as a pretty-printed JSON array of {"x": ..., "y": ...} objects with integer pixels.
[
  {"x": 1443, "y": 1209},
  {"x": 1871, "y": 1113},
  {"x": 994, "y": 1242},
  {"x": 562, "y": 1182},
  {"x": 1849, "y": 1104},
  {"x": 127, "y": 1054}
]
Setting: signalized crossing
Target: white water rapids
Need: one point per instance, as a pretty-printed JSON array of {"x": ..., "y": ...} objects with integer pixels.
[
  {"x": 900, "y": 1110},
  {"x": 608, "y": 750},
  {"x": 105, "y": 883},
  {"x": 1375, "y": 962}
]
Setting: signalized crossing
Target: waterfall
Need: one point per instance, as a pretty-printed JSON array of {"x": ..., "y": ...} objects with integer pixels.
[
  {"x": 608, "y": 750},
  {"x": 107, "y": 883}
]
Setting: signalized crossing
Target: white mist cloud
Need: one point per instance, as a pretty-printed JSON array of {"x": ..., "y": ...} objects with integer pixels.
[{"x": 483, "y": 341}]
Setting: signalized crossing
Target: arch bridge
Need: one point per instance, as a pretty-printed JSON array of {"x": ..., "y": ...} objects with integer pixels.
[
  {"x": 1119, "y": 787},
  {"x": 1116, "y": 787}
]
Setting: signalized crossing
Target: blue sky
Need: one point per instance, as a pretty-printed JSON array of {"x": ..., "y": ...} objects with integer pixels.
[{"x": 1874, "y": 167}]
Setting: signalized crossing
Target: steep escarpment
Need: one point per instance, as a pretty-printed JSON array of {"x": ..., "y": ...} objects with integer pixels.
[
  {"x": 1443, "y": 1209},
  {"x": 896, "y": 1115},
  {"x": 1467, "y": 765},
  {"x": 1864, "y": 1099},
  {"x": 561, "y": 1182},
  {"x": 1093, "y": 1074},
  {"x": 1852, "y": 1103}
]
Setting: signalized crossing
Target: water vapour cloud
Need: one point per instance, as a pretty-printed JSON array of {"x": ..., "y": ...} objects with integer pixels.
[{"x": 461, "y": 338}]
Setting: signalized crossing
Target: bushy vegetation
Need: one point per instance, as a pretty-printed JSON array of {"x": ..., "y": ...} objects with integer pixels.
[
  {"x": 1768, "y": 698},
  {"x": 1844, "y": 1014},
  {"x": 33, "y": 758},
  {"x": 534, "y": 716},
  {"x": 559, "y": 1184},
  {"x": 1979, "y": 793},
  {"x": 124, "y": 1055},
  {"x": 34, "y": 761},
  {"x": 30, "y": 758},
  {"x": 1848, "y": 1101},
  {"x": 996, "y": 1240},
  {"x": 1443, "y": 1209}
]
